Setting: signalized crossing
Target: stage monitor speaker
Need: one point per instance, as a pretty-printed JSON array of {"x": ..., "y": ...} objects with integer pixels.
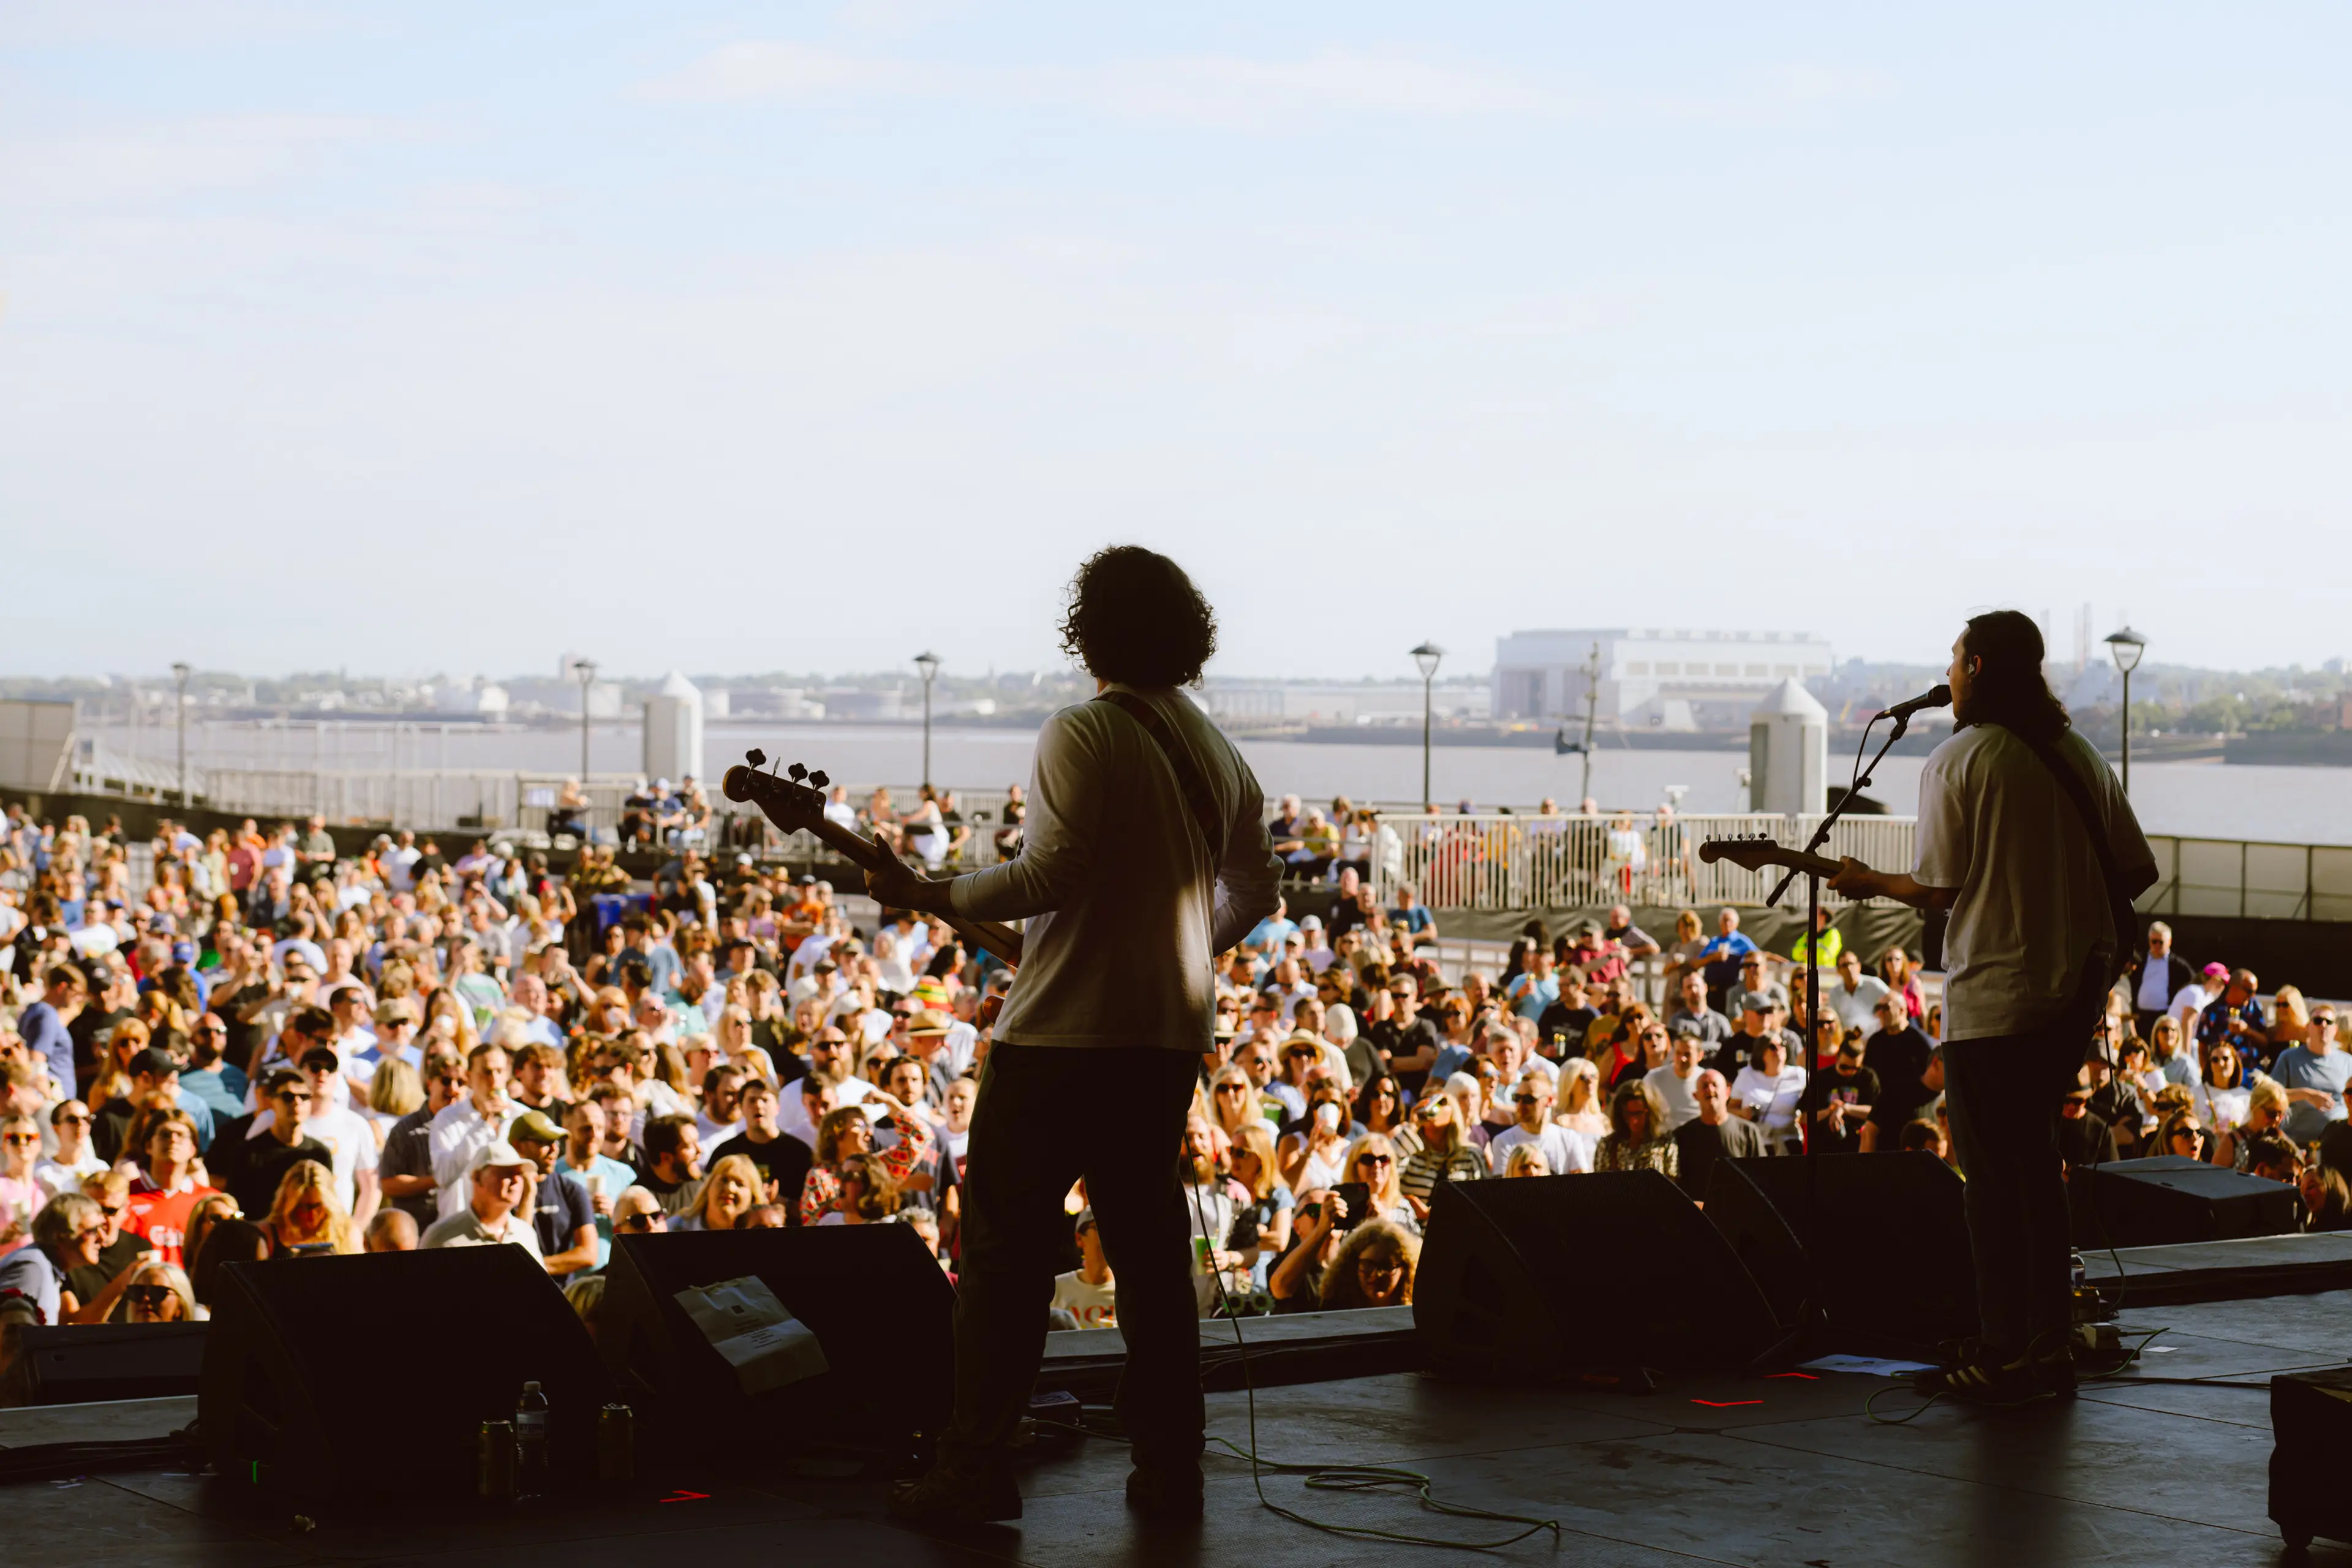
[
  {"x": 875, "y": 1298},
  {"x": 341, "y": 1377},
  {"x": 67, "y": 1364},
  {"x": 2311, "y": 1423},
  {"x": 1877, "y": 1243},
  {"x": 1618, "y": 1267},
  {"x": 2155, "y": 1201}
]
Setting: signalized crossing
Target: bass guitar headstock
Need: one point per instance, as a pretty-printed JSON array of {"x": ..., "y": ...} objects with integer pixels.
[{"x": 794, "y": 800}]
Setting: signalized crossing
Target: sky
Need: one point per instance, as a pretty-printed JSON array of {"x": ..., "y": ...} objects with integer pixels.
[{"x": 413, "y": 337}]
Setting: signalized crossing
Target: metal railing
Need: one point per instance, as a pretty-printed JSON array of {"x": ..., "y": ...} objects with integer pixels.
[
  {"x": 2249, "y": 879},
  {"x": 1514, "y": 862}
]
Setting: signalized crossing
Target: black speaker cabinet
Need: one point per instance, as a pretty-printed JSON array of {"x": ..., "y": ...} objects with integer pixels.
[
  {"x": 74, "y": 1365},
  {"x": 1878, "y": 1244},
  {"x": 2155, "y": 1201},
  {"x": 343, "y": 1377},
  {"x": 1621, "y": 1262},
  {"x": 876, "y": 1299},
  {"x": 2311, "y": 1423}
]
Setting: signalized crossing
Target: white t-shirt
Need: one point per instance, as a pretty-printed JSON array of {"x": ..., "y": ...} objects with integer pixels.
[
  {"x": 348, "y": 1137},
  {"x": 1681, "y": 1104},
  {"x": 1093, "y": 1306},
  {"x": 2187, "y": 1003},
  {"x": 1775, "y": 1098},
  {"x": 1857, "y": 1008},
  {"x": 1564, "y": 1152},
  {"x": 1129, "y": 910},
  {"x": 1995, "y": 825}
]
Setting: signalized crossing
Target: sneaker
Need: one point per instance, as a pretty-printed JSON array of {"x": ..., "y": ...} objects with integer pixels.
[
  {"x": 1984, "y": 1381},
  {"x": 1168, "y": 1492},
  {"x": 956, "y": 1500}
]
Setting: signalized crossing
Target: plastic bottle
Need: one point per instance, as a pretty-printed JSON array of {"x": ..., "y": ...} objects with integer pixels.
[{"x": 530, "y": 1442}]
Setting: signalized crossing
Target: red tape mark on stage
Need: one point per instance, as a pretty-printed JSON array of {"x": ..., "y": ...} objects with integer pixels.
[
  {"x": 1808, "y": 1376},
  {"x": 1725, "y": 1403},
  {"x": 686, "y": 1497}
]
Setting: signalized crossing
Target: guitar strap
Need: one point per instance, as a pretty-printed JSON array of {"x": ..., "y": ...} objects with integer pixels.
[
  {"x": 1189, "y": 782},
  {"x": 2119, "y": 902}
]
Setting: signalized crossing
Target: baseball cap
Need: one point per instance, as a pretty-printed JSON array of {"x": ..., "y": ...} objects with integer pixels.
[
  {"x": 535, "y": 1127},
  {"x": 1085, "y": 1222},
  {"x": 152, "y": 1063},
  {"x": 184, "y": 951},
  {"x": 2216, "y": 971},
  {"x": 1311, "y": 923},
  {"x": 501, "y": 1154}
]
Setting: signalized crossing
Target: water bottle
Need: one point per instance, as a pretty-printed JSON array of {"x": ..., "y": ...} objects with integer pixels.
[{"x": 530, "y": 1442}]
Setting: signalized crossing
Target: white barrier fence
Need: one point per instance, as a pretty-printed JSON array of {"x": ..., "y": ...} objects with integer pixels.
[{"x": 1513, "y": 862}]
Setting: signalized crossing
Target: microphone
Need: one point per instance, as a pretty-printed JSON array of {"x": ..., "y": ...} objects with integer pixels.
[{"x": 1936, "y": 696}]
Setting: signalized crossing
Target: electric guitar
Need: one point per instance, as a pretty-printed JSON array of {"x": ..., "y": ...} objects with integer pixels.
[
  {"x": 794, "y": 801},
  {"x": 1756, "y": 854}
]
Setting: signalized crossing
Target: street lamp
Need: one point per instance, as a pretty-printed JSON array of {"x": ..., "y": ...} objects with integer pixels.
[
  {"x": 928, "y": 663},
  {"x": 1426, "y": 655},
  {"x": 180, "y": 683},
  {"x": 2126, "y": 646},
  {"x": 583, "y": 671}
]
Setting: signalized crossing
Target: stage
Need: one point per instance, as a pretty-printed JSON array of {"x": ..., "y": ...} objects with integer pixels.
[{"x": 1780, "y": 1470}]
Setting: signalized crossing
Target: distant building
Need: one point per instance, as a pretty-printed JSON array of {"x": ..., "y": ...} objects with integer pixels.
[
  {"x": 1650, "y": 680},
  {"x": 1362, "y": 703}
]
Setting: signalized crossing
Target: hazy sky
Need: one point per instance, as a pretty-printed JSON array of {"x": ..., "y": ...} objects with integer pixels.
[{"x": 415, "y": 336}]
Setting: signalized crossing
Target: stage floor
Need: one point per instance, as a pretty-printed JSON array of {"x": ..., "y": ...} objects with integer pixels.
[{"x": 1783, "y": 1470}]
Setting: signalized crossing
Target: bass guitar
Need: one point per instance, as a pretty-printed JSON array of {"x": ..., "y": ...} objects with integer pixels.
[
  {"x": 794, "y": 801},
  {"x": 1757, "y": 854}
]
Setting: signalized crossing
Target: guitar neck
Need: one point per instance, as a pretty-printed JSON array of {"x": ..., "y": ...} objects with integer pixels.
[{"x": 1000, "y": 940}]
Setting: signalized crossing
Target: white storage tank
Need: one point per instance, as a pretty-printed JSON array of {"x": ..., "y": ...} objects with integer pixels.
[
  {"x": 1788, "y": 752},
  {"x": 673, "y": 736}
]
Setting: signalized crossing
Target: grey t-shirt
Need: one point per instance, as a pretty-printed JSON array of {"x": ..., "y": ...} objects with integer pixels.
[
  {"x": 2299, "y": 1067},
  {"x": 1995, "y": 825}
]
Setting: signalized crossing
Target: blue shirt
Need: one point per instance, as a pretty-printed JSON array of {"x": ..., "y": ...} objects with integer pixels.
[
  {"x": 1451, "y": 1060},
  {"x": 1416, "y": 920},
  {"x": 45, "y": 1036},
  {"x": 619, "y": 1179},
  {"x": 1530, "y": 996},
  {"x": 1270, "y": 934},
  {"x": 220, "y": 1088}
]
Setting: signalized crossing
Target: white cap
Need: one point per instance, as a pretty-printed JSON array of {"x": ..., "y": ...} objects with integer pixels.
[{"x": 500, "y": 1154}]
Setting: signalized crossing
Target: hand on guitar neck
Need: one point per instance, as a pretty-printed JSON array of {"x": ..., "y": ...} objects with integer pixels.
[{"x": 1845, "y": 876}]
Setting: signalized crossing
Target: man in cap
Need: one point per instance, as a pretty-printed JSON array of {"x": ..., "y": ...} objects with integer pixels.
[
  {"x": 563, "y": 1221},
  {"x": 498, "y": 1184}
]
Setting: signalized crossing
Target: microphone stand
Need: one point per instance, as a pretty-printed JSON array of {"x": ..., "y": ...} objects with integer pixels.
[{"x": 1809, "y": 1237}]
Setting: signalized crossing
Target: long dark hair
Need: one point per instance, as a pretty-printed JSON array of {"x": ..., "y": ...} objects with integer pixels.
[{"x": 2009, "y": 688}]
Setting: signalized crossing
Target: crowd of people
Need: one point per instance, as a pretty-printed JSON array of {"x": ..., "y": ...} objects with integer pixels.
[{"x": 280, "y": 1048}]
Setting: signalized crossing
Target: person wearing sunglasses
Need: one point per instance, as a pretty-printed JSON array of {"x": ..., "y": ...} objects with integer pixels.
[
  {"x": 68, "y": 1233},
  {"x": 158, "y": 1292},
  {"x": 21, "y": 1193},
  {"x": 2314, "y": 1075},
  {"x": 1531, "y": 1102},
  {"x": 72, "y": 1161}
]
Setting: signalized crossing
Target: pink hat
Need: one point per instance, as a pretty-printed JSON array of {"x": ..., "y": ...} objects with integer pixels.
[{"x": 2217, "y": 971}]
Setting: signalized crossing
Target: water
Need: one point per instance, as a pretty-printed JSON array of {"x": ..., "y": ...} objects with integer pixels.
[{"x": 2191, "y": 799}]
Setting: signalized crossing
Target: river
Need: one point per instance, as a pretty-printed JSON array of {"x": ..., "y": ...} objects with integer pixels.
[{"x": 2209, "y": 799}]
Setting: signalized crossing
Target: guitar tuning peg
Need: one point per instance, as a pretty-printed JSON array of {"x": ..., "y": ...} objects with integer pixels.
[
  {"x": 755, "y": 756},
  {"x": 817, "y": 780},
  {"x": 796, "y": 772}
]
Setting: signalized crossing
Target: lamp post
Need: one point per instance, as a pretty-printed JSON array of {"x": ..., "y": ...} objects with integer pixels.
[
  {"x": 180, "y": 713},
  {"x": 928, "y": 663},
  {"x": 1426, "y": 655},
  {"x": 584, "y": 671},
  {"x": 2126, "y": 646}
]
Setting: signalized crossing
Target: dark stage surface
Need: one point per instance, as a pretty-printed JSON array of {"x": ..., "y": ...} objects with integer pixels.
[{"x": 1782, "y": 1470}]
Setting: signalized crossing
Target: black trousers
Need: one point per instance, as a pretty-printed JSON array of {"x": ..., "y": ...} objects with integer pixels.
[
  {"x": 2003, "y": 1093},
  {"x": 1046, "y": 1116}
]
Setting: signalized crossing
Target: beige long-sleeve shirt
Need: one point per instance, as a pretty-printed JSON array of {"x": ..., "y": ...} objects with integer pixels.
[{"x": 1127, "y": 912}]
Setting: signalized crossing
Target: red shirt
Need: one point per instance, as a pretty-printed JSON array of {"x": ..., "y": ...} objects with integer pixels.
[{"x": 161, "y": 1218}]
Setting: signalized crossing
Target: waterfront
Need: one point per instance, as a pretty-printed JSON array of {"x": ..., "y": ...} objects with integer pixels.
[{"x": 2291, "y": 805}]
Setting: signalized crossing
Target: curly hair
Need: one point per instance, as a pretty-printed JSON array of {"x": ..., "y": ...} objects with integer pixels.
[{"x": 1136, "y": 618}]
